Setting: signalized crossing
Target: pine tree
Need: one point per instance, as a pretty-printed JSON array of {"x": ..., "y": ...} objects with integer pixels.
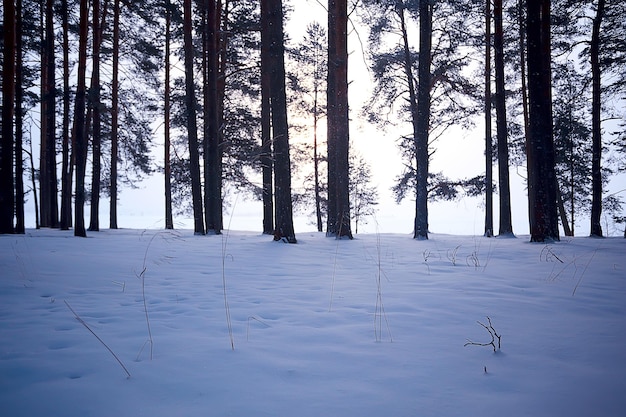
[
  {"x": 311, "y": 56},
  {"x": 506, "y": 225},
  {"x": 423, "y": 120},
  {"x": 338, "y": 219},
  {"x": 95, "y": 107},
  {"x": 66, "y": 163},
  {"x": 192, "y": 127},
  {"x": 272, "y": 23},
  {"x": 7, "y": 198},
  {"x": 169, "y": 218},
  {"x": 212, "y": 152},
  {"x": 80, "y": 134},
  {"x": 48, "y": 169},
  {"x": 19, "y": 121},
  {"x": 541, "y": 159}
]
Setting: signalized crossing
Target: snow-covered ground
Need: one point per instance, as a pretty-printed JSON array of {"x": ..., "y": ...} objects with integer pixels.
[{"x": 376, "y": 326}]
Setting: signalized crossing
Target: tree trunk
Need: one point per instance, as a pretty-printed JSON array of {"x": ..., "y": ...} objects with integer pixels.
[
  {"x": 66, "y": 173},
  {"x": 506, "y": 225},
  {"x": 563, "y": 213},
  {"x": 7, "y": 200},
  {"x": 115, "y": 85},
  {"x": 541, "y": 174},
  {"x": 338, "y": 124},
  {"x": 332, "y": 219},
  {"x": 222, "y": 48},
  {"x": 488, "y": 149},
  {"x": 192, "y": 127},
  {"x": 423, "y": 120},
  {"x": 266, "y": 158},
  {"x": 212, "y": 159},
  {"x": 169, "y": 218},
  {"x": 316, "y": 163},
  {"x": 272, "y": 10},
  {"x": 596, "y": 128},
  {"x": 94, "y": 95},
  {"x": 20, "y": 226},
  {"x": 80, "y": 145},
  {"x": 523, "y": 65},
  {"x": 47, "y": 171}
]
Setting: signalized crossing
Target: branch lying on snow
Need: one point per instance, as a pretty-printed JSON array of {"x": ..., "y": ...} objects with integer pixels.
[{"x": 492, "y": 333}]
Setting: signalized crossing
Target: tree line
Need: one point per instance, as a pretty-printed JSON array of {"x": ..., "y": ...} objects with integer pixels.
[{"x": 227, "y": 88}]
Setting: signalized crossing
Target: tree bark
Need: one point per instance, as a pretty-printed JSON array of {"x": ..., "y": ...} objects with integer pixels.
[
  {"x": 541, "y": 173},
  {"x": 524, "y": 85},
  {"x": 80, "y": 145},
  {"x": 47, "y": 170},
  {"x": 272, "y": 10},
  {"x": 66, "y": 164},
  {"x": 94, "y": 95},
  {"x": 423, "y": 120},
  {"x": 7, "y": 198},
  {"x": 115, "y": 85},
  {"x": 316, "y": 163},
  {"x": 338, "y": 124},
  {"x": 596, "y": 124},
  {"x": 266, "y": 158},
  {"x": 192, "y": 126},
  {"x": 506, "y": 225},
  {"x": 488, "y": 139},
  {"x": 20, "y": 226},
  {"x": 563, "y": 213},
  {"x": 212, "y": 157},
  {"x": 169, "y": 218}
]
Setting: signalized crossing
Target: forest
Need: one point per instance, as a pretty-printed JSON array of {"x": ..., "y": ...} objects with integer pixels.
[{"x": 210, "y": 94}]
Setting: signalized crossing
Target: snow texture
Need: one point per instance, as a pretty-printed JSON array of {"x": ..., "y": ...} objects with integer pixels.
[{"x": 377, "y": 326}]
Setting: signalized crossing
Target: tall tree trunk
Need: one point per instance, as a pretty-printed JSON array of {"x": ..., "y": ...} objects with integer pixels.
[
  {"x": 7, "y": 198},
  {"x": 115, "y": 86},
  {"x": 47, "y": 172},
  {"x": 567, "y": 230},
  {"x": 192, "y": 124},
  {"x": 506, "y": 225},
  {"x": 423, "y": 120},
  {"x": 33, "y": 182},
  {"x": 266, "y": 158},
  {"x": 20, "y": 226},
  {"x": 596, "y": 127},
  {"x": 541, "y": 173},
  {"x": 408, "y": 70},
  {"x": 94, "y": 95},
  {"x": 272, "y": 11},
  {"x": 332, "y": 219},
  {"x": 524, "y": 84},
  {"x": 563, "y": 213},
  {"x": 212, "y": 159},
  {"x": 222, "y": 46},
  {"x": 80, "y": 134},
  {"x": 338, "y": 124},
  {"x": 169, "y": 218},
  {"x": 488, "y": 139},
  {"x": 316, "y": 163},
  {"x": 66, "y": 163}
]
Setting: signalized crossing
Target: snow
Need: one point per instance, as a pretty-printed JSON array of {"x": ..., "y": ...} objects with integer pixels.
[{"x": 376, "y": 326}]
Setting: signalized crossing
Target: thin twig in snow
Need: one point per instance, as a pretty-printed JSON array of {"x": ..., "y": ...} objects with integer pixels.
[{"x": 97, "y": 337}]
